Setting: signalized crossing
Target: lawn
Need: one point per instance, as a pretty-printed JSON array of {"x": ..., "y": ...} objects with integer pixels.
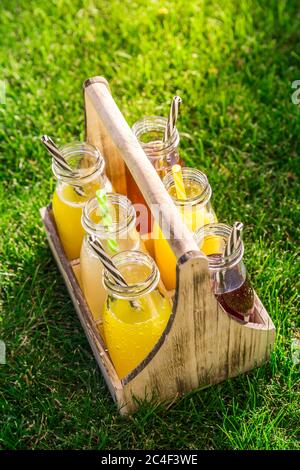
[{"x": 233, "y": 63}]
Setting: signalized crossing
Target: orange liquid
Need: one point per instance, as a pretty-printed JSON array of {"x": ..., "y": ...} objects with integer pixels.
[
  {"x": 194, "y": 218},
  {"x": 132, "y": 332},
  {"x": 135, "y": 196}
]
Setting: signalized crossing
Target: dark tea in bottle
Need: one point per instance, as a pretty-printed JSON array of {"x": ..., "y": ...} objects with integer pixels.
[
  {"x": 239, "y": 302},
  {"x": 230, "y": 282}
]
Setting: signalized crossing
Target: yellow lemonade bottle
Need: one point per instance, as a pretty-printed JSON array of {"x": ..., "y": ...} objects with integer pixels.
[
  {"x": 73, "y": 189},
  {"x": 122, "y": 230},
  {"x": 134, "y": 316},
  {"x": 196, "y": 211}
]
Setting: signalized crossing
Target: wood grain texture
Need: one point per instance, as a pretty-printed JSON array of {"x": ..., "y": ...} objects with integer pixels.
[{"x": 104, "y": 118}]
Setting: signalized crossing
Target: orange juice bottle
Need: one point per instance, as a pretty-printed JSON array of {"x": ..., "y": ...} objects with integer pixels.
[
  {"x": 134, "y": 316},
  {"x": 196, "y": 211},
  {"x": 74, "y": 189},
  {"x": 162, "y": 154},
  {"x": 122, "y": 231}
]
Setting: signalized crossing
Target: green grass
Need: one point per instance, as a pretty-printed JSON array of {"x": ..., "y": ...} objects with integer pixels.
[{"x": 233, "y": 63}]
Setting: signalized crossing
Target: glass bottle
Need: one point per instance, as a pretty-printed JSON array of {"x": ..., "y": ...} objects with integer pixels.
[
  {"x": 229, "y": 279},
  {"x": 134, "y": 316},
  {"x": 74, "y": 189},
  {"x": 124, "y": 233},
  {"x": 150, "y": 133},
  {"x": 195, "y": 211}
]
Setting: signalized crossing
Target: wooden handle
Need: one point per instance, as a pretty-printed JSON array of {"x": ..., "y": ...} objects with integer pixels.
[
  {"x": 152, "y": 188},
  {"x": 96, "y": 134}
]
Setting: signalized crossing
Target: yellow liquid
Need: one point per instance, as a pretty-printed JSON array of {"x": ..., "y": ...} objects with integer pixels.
[
  {"x": 194, "y": 218},
  {"x": 132, "y": 332},
  {"x": 212, "y": 245},
  {"x": 67, "y": 209},
  {"x": 91, "y": 269}
]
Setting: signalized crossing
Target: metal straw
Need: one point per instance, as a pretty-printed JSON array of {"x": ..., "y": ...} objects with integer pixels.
[
  {"x": 60, "y": 160},
  {"x": 172, "y": 118},
  {"x": 108, "y": 263},
  {"x": 234, "y": 238}
]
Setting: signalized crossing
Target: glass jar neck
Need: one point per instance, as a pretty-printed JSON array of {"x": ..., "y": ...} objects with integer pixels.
[
  {"x": 85, "y": 161},
  {"x": 197, "y": 187},
  {"x": 150, "y": 132},
  {"x": 218, "y": 235},
  {"x": 122, "y": 213},
  {"x": 139, "y": 271}
]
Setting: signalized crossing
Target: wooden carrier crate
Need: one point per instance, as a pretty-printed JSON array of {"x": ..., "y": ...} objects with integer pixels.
[{"x": 202, "y": 344}]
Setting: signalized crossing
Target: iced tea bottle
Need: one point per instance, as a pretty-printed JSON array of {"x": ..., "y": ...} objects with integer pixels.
[{"x": 229, "y": 279}]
